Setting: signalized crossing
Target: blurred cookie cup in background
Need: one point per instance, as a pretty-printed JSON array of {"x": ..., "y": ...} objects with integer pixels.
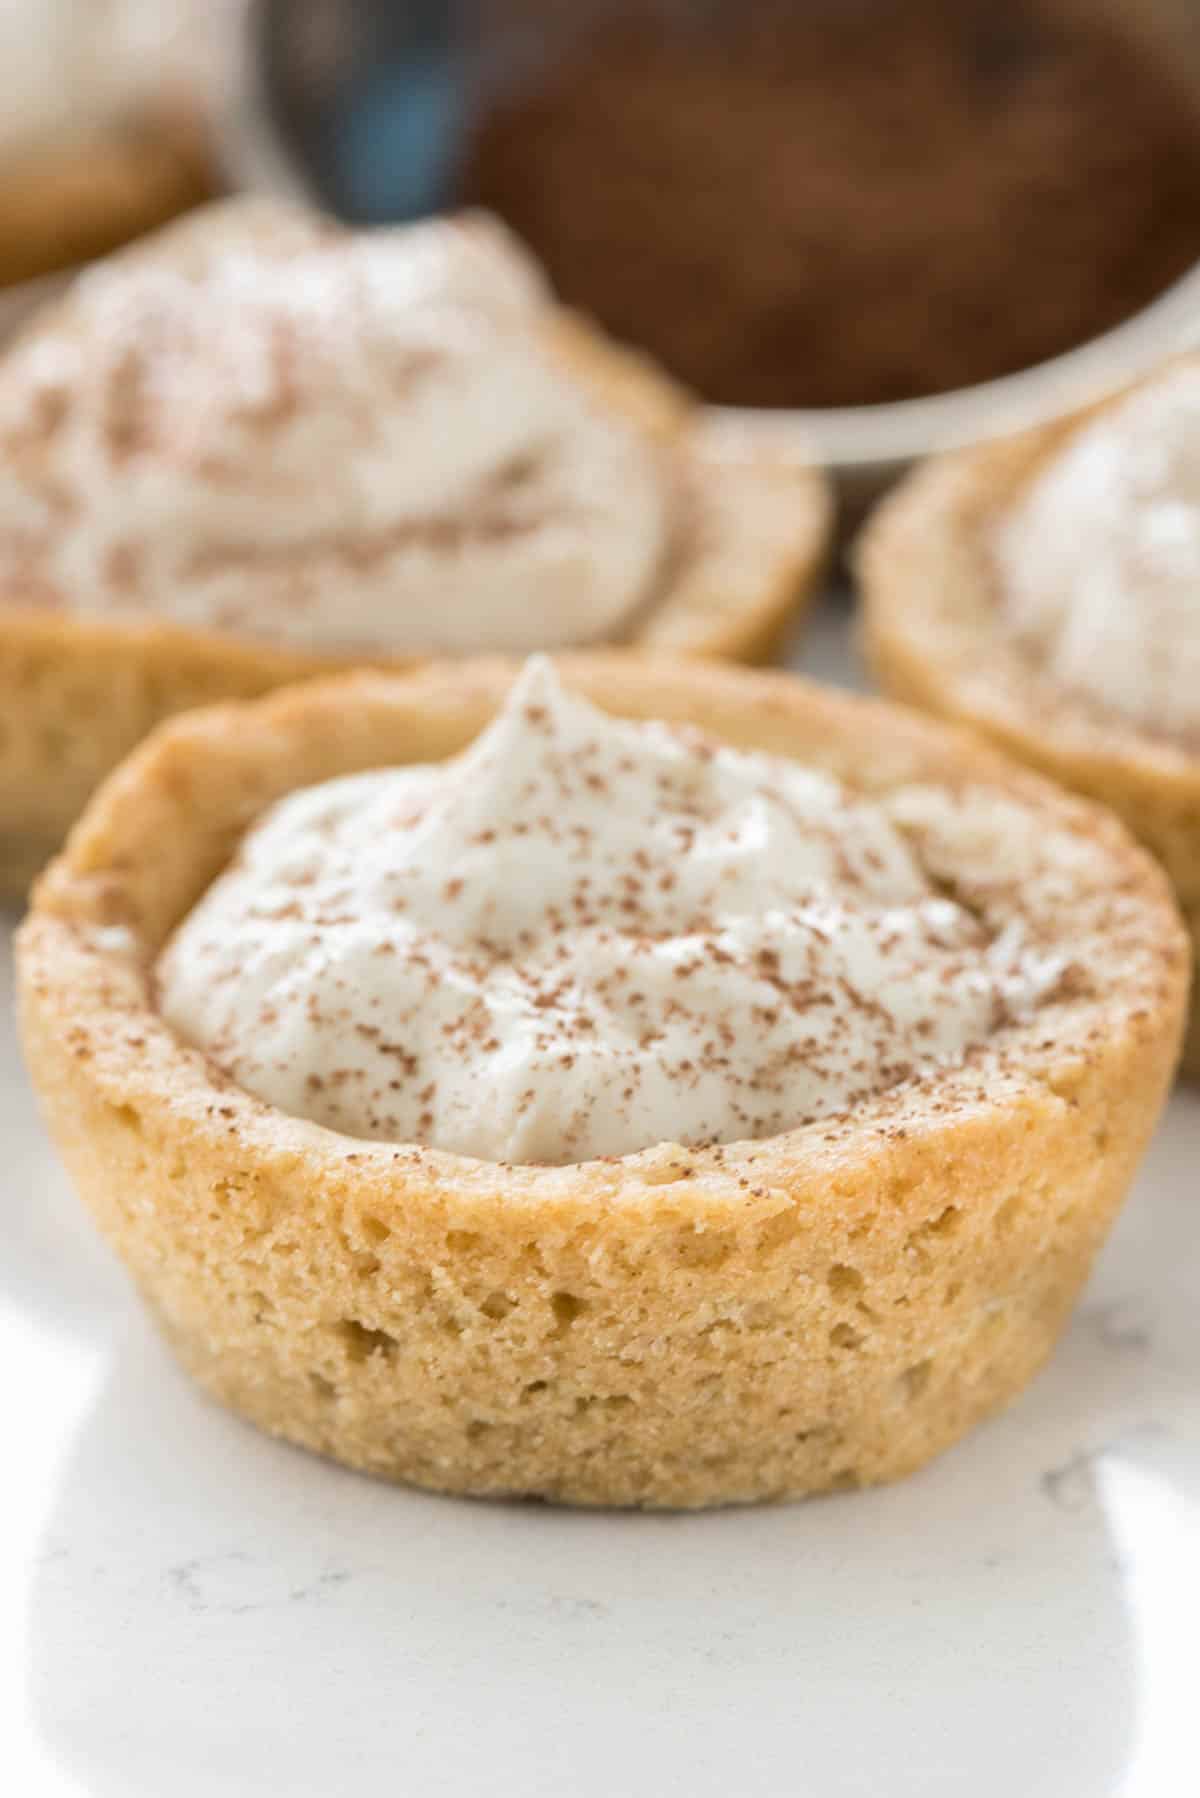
[
  {"x": 259, "y": 446},
  {"x": 1045, "y": 592}
]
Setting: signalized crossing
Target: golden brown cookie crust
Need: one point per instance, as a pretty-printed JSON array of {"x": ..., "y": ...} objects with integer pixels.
[
  {"x": 936, "y": 638},
  {"x": 675, "y": 1328},
  {"x": 67, "y": 205},
  {"x": 77, "y": 694}
]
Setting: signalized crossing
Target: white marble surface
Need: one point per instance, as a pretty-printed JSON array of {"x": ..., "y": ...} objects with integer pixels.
[{"x": 188, "y": 1610}]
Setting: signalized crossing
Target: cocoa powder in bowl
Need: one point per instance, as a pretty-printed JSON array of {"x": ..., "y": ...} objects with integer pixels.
[{"x": 840, "y": 202}]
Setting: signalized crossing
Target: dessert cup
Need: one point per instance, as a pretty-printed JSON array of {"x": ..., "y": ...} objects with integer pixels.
[
  {"x": 936, "y": 633},
  {"x": 90, "y": 659},
  {"x": 678, "y": 1326}
]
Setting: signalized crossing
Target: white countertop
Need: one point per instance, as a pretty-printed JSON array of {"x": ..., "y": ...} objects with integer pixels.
[{"x": 189, "y": 1610}]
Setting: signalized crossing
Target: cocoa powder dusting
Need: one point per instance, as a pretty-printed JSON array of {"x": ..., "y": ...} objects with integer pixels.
[
  {"x": 840, "y": 202},
  {"x": 547, "y": 1000}
]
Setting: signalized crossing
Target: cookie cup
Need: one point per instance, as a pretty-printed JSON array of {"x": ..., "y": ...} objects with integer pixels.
[
  {"x": 78, "y": 692},
  {"x": 827, "y": 1308},
  {"x": 934, "y": 632}
]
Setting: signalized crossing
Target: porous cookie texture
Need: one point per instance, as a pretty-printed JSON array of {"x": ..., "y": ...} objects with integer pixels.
[
  {"x": 1036, "y": 591},
  {"x": 677, "y": 1326},
  {"x": 260, "y": 447}
]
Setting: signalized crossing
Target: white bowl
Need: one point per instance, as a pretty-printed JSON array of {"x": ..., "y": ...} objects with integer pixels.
[{"x": 864, "y": 447}]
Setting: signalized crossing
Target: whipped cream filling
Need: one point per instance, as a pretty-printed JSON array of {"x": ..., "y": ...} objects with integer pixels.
[
  {"x": 1099, "y": 559},
  {"x": 580, "y": 937},
  {"x": 367, "y": 445},
  {"x": 73, "y": 67}
]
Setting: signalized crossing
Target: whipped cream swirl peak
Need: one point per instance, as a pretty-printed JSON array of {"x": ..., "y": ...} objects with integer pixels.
[
  {"x": 580, "y": 937},
  {"x": 366, "y": 445},
  {"x": 1099, "y": 558}
]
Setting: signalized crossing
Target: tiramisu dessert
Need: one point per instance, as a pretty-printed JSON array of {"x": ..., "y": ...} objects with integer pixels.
[
  {"x": 1046, "y": 591},
  {"x": 263, "y": 446},
  {"x": 617, "y": 1082}
]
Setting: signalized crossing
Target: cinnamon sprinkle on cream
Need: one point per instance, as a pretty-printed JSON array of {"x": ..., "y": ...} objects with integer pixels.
[
  {"x": 365, "y": 444},
  {"x": 548, "y": 998}
]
